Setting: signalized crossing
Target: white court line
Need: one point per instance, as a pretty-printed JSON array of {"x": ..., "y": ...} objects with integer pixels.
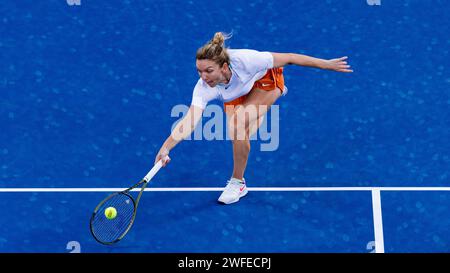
[
  {"x": 377, "y": 221},
  {"x": 221, "y": 189}
]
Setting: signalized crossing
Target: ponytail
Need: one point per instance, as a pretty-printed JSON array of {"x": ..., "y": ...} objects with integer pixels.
[{"x": 215, "y": 49}]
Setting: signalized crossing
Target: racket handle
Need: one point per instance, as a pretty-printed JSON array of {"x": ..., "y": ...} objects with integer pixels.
[{"x": 153, "y": 171}]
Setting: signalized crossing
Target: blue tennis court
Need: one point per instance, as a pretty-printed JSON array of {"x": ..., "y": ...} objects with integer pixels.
[
  {"x": 311, "y": 220},
  {"x": 344, "y": 163}
]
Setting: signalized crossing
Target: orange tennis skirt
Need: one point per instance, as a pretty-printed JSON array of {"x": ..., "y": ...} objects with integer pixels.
[{"x": 272, "y": 79}]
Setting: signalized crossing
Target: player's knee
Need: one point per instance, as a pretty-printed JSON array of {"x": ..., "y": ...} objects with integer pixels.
[
  {"x": 238, "y": 127},
  {"x": 254, "y": 126}
]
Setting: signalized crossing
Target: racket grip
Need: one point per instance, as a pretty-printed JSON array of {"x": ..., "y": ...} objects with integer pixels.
[{"x": 153, "y": 171}]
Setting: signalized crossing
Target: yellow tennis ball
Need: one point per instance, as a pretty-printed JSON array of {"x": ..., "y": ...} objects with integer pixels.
[{"x": 110, "y": 213}]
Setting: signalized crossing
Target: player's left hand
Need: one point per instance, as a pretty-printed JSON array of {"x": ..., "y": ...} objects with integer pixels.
[{"x": 339, "y": 65}]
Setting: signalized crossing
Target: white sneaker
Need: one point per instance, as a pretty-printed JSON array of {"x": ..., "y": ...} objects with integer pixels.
[{"x": 234, "y": 190}]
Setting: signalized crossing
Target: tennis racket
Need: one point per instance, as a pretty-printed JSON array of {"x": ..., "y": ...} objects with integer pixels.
[{"x": 110, "y": 231}]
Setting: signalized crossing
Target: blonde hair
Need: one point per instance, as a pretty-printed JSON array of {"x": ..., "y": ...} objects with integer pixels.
[{"x": 215, "y": 49}]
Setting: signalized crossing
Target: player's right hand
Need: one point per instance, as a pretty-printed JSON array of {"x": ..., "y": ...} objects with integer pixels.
[{"x": 163, "y": 154}]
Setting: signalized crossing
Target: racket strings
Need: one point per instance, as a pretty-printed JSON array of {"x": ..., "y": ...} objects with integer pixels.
[{"x": 109, "y": 230}]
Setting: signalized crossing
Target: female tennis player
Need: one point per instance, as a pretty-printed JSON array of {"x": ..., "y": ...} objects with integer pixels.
[{"x": 245, "y": 80}]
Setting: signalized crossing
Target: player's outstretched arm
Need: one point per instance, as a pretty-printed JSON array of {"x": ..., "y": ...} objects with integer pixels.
[
  {"x": 338, "y": 64},
  {"x": 182, "y": 130}
]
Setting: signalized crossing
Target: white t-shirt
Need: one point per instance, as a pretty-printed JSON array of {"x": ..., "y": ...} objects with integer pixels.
[{"x": 247, "y": 66}]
